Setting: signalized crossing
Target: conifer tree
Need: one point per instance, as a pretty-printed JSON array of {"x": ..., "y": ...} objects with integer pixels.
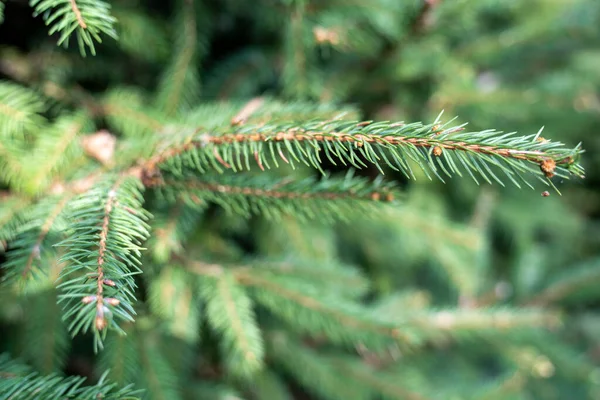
[{"x": 223, "y": 200}]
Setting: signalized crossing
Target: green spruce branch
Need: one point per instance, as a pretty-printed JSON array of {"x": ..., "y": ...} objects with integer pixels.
[
  {"x": 18, "y": 382},
  {"x": 103, "y": 254},
  {"x": 89, "y": 19},
  {"x": 436, "y": 149},
  {"x": 330, "y": 198}
]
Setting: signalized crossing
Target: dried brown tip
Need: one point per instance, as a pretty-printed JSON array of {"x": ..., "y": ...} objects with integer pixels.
[
  {"x": 109, "y": 282},
  {"x": 247, "y": 111},
  {"x": 548, "y": 166},
  {"x": 257, "y": 158}
]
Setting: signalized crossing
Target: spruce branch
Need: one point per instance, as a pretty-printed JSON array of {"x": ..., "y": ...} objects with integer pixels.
[
  {"x": 171, "y": 228},
  {"x": 435, "y": 148},
  {"x": 392, "y": 387},
  {"x": 87, "y": 18},
  {"x": 29, "y": 258},
  {"x": 154, "y": 370},
  {"x": 180, "y": 85},
  {"x": 20, "y": 382},
  {"x": 127, "y": 113},
  {"x": 312, "y": 370},
  {"x": 121, "y": 356},
  {"x": 326, "y": 276},
  {"x": 56, "y": 150},
  {"x": 135, "y": 27},
  {"x": 329, "y": 198},
  {"x": 229, "y": 312},
  {"x": 11, "y": 166},
  {"x": 481, "y": 321},
  {"x": 268, "y": 385},
  {"x": 574, "y": 280},
  {"x": 103, "y": 254},
  {"x": 297, "y": 303},
  {"x": 45, "y": 333},
  {"x": 12, "y": 215},
  {"x": 341, "y": 321},
  {"x": 171, "y": 297},
  {"x": 20, "y": 110}
]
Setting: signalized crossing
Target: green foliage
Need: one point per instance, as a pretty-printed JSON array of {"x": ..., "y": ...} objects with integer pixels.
[
  {"x": 19, "y": 111},
  {"x": 31, "y": 264},
  {"x": 330, "y": 198},
  {"x": 235, "y": 200},
  {"x": 179, "y": 86},
  {"x": 20, "y": 382},
  {"x": 229, "y": 312},
  {"x": 396, "y": 145},
  {"x": 103, "y": 256},
  {"x": 46, "y": 333},
  {"x": 171, "y": 298},
  {"x": 87, "y": 18}
]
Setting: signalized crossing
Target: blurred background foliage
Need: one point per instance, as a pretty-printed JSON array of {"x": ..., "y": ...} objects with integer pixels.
[{"x": 512, "y": 65}]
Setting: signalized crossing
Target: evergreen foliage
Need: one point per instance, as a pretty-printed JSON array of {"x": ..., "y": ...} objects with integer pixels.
[
  {"x": 233, "y": 200},
  {"x": 20, "y": 382}
]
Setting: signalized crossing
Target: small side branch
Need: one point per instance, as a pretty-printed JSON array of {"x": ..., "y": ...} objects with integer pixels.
[
  {"x": 274, "y": 193},
  {"x": 35, "y": 250},
  {"x": 102, "y": 301},
  {"x": 434, "y": 148}
]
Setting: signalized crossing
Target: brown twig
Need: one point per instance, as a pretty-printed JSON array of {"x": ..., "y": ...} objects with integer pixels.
[
  {"x": 300, "y": 135},
  {"x": 273, "y": 193},
  {"x": 77, "y": 12},
  {"x": 100, "y": 320}
]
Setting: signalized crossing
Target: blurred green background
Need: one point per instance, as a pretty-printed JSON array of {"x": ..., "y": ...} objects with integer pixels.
[{"x": 510, "y": 65}]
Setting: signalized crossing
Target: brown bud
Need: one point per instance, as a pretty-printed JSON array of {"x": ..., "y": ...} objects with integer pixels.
[
  {"x": 545, "y": 194},
  {"x": 389, "y": 197},
  {"x": 325, "y": 35},
  {"x": 548, "y": 166},
  {"x": 437, "y": 151},
  {"x": 542, "y": 139},
  {"x": 247, "y": 111},
  {"x": 88, "y": 299},
  {"x": 100, "y": 322},
  {"x": 112, "y": 301},
  {"x": 100, "y": 145},
  {"x": 375, "y": 196},
  {"x": 436, "y": 129}
]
